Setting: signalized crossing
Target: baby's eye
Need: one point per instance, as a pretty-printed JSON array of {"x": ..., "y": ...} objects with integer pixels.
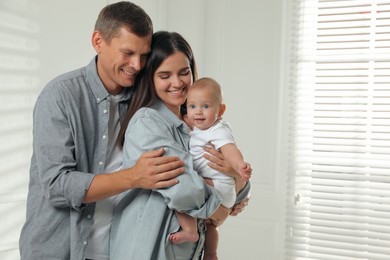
[
  {"x": 206, "y": 106},
  {"x": 191, "y": 106}
]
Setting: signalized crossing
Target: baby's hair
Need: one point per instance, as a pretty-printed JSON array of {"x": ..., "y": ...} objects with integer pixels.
[{"x": 206, "y": 82}]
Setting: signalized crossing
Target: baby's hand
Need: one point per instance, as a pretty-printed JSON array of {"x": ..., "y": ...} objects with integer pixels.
[{"x": 246, "y": 171}]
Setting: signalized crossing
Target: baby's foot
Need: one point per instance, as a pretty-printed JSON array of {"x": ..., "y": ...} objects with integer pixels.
[{"x": 182, "y": 237}]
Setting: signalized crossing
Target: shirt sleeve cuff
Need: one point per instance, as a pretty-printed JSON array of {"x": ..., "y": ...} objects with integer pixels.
[{"x": 243, "y": 193}]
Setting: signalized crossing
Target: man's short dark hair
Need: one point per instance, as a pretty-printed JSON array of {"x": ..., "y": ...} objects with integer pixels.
[{"x": 126, "y": 15}]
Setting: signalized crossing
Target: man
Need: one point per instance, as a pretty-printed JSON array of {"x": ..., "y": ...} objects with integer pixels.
[{"x": 76, "y": 160}]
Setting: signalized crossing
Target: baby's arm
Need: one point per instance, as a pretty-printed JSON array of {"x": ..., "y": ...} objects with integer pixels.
[{"x": 234, "y": 156}]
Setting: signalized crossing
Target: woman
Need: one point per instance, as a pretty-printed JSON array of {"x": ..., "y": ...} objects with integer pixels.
[{"x": 144, "y": 219}]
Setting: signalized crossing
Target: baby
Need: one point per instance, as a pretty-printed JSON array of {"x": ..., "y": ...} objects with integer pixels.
[{"x": 204, "y": 113}]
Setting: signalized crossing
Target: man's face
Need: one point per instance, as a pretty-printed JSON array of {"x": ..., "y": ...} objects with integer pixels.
[{"x": 120, "y": 60}]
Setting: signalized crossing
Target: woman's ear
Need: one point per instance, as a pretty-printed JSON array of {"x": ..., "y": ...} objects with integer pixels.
[
  {"x": 97, "y": 41},
  {"x": 222, "y": 109}
]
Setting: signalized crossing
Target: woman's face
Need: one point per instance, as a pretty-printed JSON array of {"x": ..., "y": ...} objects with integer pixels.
[{"x": 172, "y": 79}]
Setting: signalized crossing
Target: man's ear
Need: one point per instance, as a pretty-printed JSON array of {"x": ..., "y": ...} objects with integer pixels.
[
  {"x": 222, "y": 109},
  {"x": 97, "y": 41}
]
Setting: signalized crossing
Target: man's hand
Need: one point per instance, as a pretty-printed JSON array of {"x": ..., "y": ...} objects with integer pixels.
[
  {"x": 151, "y": 171},
  {"x": 154, "y": 171}
]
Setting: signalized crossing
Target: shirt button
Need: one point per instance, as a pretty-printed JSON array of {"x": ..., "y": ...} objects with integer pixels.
[
  {"x": 85, "y": 242},
  {"x": 100, "y": 163},
  {"x": 104, "y": 136},
  {"x": 105, "y": 111},
  {"x": 98, "y": 99},
  {"x": 89, "y": 216}
]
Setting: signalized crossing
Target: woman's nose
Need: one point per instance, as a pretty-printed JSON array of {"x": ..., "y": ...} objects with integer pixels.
[{"x": 177, "y": 82}]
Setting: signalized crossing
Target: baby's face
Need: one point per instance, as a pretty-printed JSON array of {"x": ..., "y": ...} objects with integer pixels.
[{"x": 203, "y": 108}]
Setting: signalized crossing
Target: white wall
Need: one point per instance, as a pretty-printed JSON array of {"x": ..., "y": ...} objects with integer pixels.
[{"x": 237, "y": 42}]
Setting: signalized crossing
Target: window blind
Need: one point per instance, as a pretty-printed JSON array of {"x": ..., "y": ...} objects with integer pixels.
[{"x": 339, "y": 135}]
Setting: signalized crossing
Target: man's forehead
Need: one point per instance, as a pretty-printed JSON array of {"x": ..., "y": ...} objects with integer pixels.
[{"x": 133, "y": 41}]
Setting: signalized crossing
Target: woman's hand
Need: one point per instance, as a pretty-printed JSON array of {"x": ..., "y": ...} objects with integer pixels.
[
  {"x": 218, "y": 163},
  {"x": 239, "y": 207}
]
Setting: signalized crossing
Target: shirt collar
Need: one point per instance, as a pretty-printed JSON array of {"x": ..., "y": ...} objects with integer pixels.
[{"x": 164, "y": 110}]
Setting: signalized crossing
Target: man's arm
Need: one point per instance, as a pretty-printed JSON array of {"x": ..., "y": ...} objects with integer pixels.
[
  {"x": 65, "y": 181},
  {"x": 151, "y": 171}
]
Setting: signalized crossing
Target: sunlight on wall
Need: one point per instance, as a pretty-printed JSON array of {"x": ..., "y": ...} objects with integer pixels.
[{"x": 19, "y": 85}]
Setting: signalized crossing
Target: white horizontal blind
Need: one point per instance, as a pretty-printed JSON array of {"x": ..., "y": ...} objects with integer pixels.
[{"x": 339, "y": 165}]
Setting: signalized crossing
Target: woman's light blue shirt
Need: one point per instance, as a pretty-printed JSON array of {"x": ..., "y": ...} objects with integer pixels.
[{"x": 144, "y": 219}]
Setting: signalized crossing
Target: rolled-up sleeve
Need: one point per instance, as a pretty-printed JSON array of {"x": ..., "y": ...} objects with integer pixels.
[
  {"x": 54, "y": 149},
  {"x": 243, "y": 193},
  {"x": 149, "y": 131}
]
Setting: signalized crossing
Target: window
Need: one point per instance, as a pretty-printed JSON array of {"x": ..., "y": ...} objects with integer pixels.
[{"x": 339, "y": 157}]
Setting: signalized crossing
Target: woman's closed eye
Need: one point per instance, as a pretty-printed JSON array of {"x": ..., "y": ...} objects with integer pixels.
[
  {"x": 185, "y": 72},
  {"x": 164, "y": 75}
]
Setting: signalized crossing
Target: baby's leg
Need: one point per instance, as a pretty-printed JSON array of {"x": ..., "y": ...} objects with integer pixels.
[
  {"x": 211, "y": 243},
  {"x": 188, "y": 232}
]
